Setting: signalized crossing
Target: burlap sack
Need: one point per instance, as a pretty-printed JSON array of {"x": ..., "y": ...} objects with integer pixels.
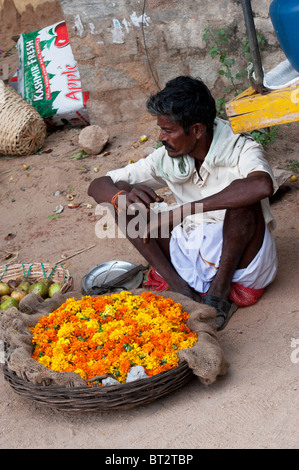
[{"x": 205, "y": 358}]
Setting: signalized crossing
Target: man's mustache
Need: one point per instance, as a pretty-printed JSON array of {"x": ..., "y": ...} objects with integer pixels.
[{"x": 166, "y": 145}]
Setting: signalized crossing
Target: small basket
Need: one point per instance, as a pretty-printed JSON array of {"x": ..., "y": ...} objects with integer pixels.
[
  {"x": 104, "y": 398},
  {"x": 23, "y": 130},
  {"x": 36, "y": 271}
]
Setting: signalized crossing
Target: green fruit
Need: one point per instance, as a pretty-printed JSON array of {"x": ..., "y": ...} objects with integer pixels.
[
  {"x": 4, "y": 288},
  {"x": 24, "y": 286},
  {"x": 39, "y": 288},
  {"x": 21, "y": 279},
  {"x": 55, "y": 287},
  {"x": 8, "y": 303},
  {"x": 46, "y": 281}
]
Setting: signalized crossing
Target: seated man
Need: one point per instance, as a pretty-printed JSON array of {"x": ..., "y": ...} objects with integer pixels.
[{"x": 220, "y": 230}]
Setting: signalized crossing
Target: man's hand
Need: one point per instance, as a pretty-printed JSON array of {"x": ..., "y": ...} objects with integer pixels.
[
  {"x": 140, "y": 194},
  {"x": 103, "y": 189}
]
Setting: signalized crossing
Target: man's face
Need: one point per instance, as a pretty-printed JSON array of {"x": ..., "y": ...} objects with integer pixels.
[{"x": 174, "y": 138}]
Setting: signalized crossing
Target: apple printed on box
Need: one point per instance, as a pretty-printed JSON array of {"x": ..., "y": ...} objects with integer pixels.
[{"x": 48, "y": 76}]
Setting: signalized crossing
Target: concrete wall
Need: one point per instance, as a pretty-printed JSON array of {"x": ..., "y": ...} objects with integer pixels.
[{"x": 127, "y": 49}]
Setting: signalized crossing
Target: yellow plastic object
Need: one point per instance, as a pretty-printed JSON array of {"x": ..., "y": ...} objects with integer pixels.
[{"x": 251, "y": 110}]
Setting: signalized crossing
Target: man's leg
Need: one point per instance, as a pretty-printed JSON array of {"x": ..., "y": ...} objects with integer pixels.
[
  {"x": 243, "y": 235},
  {"x": 156, "y": 253}
]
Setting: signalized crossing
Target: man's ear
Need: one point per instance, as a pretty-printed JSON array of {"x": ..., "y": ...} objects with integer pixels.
[{"x": 198, "y": 129}]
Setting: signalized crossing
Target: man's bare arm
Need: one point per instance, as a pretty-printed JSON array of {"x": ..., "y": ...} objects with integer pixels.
[
  {"x": 240, "y": 193},
  {"x": 103, "y": 189}
]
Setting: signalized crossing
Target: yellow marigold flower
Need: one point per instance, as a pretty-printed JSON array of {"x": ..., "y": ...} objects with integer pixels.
[
  {"x": 85, "y": 313},
  {"x": 63, "y": 341},
  {"x": 109, "y": 310},
  {"x": 144, "y": 317},
  {"x": 82, "y": 374},
  {"x": 98, "y": 338},
  {"x": 45, "y": 361},
  {"x": 66, "y": 330},
  {"x": 92, "y": 324},
  {"x": 59, "y": 363}
]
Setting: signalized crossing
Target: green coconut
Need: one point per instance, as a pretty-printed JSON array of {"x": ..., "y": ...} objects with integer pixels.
[
  {"x": 4, "y": 289},
  {"x": 55, "y": 287},
  {"x": 39, "y": 288},
  {"x": 24, "y": 286},
  {"x": 8, "y": 303},
  {"x": 46, "y": 281}
]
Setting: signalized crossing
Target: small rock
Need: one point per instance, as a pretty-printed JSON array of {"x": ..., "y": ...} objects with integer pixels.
[
  {"x": 93, "y": 139},
  {"x": 136, "y": 373},
  {"x": 110, "y": 381},
  {"x": 58, "y": 209}
]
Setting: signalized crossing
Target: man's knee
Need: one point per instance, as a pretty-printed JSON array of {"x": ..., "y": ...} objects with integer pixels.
[
  {"x": 245, "y": 215},
  {"x": 244, "y": 221}
]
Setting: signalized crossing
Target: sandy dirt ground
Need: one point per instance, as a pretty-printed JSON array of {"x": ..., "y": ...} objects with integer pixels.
[{"x": 255, "y": 405}]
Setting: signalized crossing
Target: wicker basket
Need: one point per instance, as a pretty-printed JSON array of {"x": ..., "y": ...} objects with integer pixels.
[
  {"x": 23, "y": 130},
  {"x": 95, "y": 398},
  {"x": 105, "y": 398},
  {"x": 36, "y": 271}
]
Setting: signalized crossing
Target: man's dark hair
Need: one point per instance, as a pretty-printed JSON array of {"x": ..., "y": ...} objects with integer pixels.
[{"x": 186, "y": 101}]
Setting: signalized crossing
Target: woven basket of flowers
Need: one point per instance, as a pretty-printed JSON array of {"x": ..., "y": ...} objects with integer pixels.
[{"x": 111, "y": 352}]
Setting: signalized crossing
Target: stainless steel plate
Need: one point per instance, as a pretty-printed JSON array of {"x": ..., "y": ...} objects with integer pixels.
[{"x": 108, "y": 271}]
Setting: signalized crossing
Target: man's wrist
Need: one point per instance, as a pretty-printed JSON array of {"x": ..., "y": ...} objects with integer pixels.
[{"x": 115, "y": 197}]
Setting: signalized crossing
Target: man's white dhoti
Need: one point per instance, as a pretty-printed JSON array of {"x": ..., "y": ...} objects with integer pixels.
[{"x": 196, "y": 257}]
